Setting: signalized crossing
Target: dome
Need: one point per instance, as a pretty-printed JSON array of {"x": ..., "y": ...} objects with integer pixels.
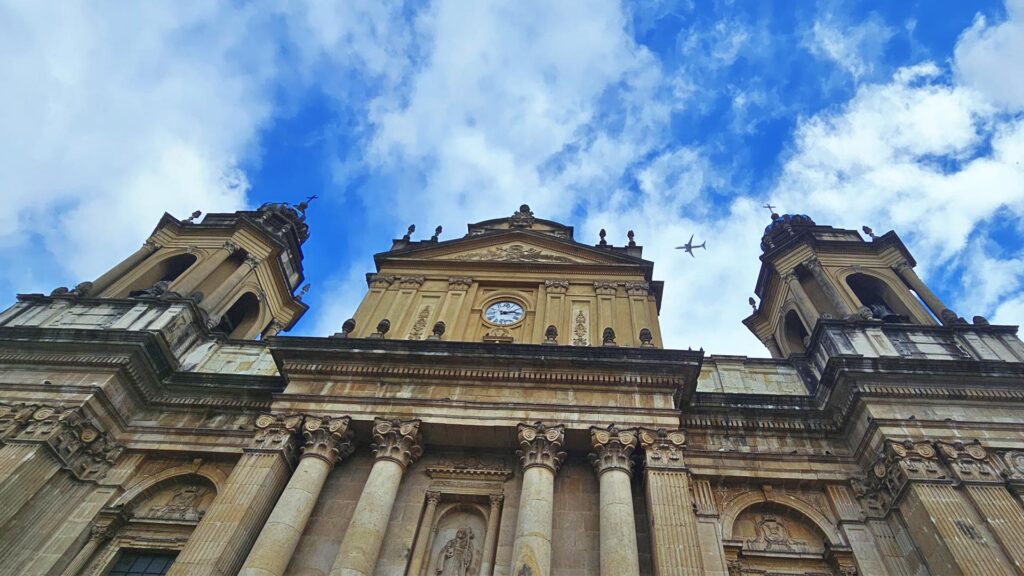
[{"x": 782, "y": 227}]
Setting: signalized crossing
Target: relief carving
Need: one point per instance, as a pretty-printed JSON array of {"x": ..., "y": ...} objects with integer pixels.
[
  {"x": 182, "y": 504},
  {"x": 379, "y": 280},
  {"x": 457, "y": 555},
  {"x": 556, "y": 286},
  {"x": 397, "y": 440},
  {"x": 328, "y": 439},
  {"x": 513, "y": 253},
  {"x": 460, "y": 283},
  {"x": 541, "y": 445},
  {"x": 580, "y": 330},
  {"x": 663, "y": 448},
  {"x": 613, "y": 449},
  {"x": 772, "y": 534},
  {"x": 276, "y": 434},
  {"x": 637, "y": 288},
  {"x": 75, "y": 439},
  {"x": 420, "y": 325},
  {"x": 523, "y": 218},
  {"x": 968, "y": 462}
]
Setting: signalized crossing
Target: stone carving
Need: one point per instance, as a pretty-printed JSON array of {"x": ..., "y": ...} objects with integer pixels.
[
  {"x": 437, "y": 331},
  {"x": 328, "y": 439},
  {"x": 899, "y": 464},
  {"x": 541, "y": 445},
  {"x": 1014, "y": 462},
  {"x": 663, "y": 448},
  {"x": 397, "y": 440},
  {"x": 379, "y": 280},
  {"x": 968, "y": 462},
  {"x": 456, "y": 555},
  {"x": 459, "y": 283},
  {"x": 637, "y": 288},
  {"x": 13, "y": 417},
  {"x": 772, "y": 535},
  {"x": 347, "y": 328},
  {"x": 277, "y": 434},
  {"x": 74, "y": 438},
  {"x": 580, "y": 330},
  {"x": 608, "y": 337},
  {"x": 512, "y": 253},
  {"x": 646, "y": 338},
  {"x": 181, "y": 505},
  {"x": 382, "y": 328},
  {"x": 523, "y": 218},
  {"x": 420, "y": 325},
  {"x": 613, "y": 449},
  {"x": 410, "y": 281},
  {"x": 605, "y": 288},
  {"x": 231, "y": 247},
  {"x": 556, "y": 286},
  {"x": 498, "y": 334},
  {"x": 550, "y": 335}
]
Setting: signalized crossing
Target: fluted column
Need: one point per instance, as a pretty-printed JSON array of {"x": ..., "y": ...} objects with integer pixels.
[
  {"x": 906, "y": 272},
  {"x": 195, "y": 275},
  {"x": 675, "y": 546},
  {"x": 491, "y": 538},
  {"x": 214, "y": 301},
  {"x": 840, "y": 305},
  {"x": 803, "y": 302},
  {"x": 326, "y": 440},
  {"x": 98, "y": 534},
  {"x": 397, "y": 444},
  {"x": 541, "y": 455},
  {"x": 114, "y": 274},
  {"x": 420, "y": 547},
  {"x": 612, "y": 459},
  {"x": 221, "y": 541}
]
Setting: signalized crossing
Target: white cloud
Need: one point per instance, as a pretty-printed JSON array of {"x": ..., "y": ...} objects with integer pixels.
[
  {"x": 853, "y": 48},
  {"x": 988, "y": 58},
  {"x": 109, "y": 119}
]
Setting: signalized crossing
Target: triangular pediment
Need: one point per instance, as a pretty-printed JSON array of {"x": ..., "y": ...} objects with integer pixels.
[{"x": 513, "y": 246}]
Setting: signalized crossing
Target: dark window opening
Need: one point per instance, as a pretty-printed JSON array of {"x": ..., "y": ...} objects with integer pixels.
[
  {"x": 878, "y": 297},
  {"x": 237, "y": 321},
  {"x": 139, "y": 563},
  {"x": 794, "y": 332},
  {"x": 167, "y": 270}
]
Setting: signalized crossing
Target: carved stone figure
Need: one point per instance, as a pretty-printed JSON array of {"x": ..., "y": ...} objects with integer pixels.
[
  {"x": 182, "y": 505},
  {"x": 456, "y": 556}
]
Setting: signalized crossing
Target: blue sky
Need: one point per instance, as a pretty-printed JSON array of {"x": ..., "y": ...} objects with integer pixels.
[{"x": 667, "y": 118}]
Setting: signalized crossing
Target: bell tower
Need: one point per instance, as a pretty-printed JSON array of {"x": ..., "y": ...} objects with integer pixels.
[
  {"x": 810, "y": 272},
  {"x": 240, "y": 268},
  {"x": 517, "y": 279}
]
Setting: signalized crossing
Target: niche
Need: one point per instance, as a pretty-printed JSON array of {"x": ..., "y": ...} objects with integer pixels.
[
  {"x": 458, "y": 540},
  {"x": 769, "y": 538}
]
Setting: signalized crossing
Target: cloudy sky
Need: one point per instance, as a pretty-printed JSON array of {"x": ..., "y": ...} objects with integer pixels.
[{"x": 668, "y": 118}]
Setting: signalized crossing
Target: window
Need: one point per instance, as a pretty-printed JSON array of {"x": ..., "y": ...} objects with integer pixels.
[
  {"x": 878, "y": 297},
  {"x": 137, "y": 563},
  {"x": 237, "y": 321}
]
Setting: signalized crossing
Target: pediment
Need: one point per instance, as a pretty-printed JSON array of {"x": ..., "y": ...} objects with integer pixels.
[{"x": 514, "y": 252}]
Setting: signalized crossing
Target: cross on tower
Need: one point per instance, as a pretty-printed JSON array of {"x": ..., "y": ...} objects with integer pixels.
[{"x": 770, "y": 208}]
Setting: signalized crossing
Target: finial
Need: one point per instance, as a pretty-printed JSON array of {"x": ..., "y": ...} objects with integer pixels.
[
  {"x": 347, "y": 327},
  {"x": 867, "y": 230},
  {"x": 646, "y": 338},
  {"x": 602, "y": 234},
  {"x": 437, "y": 232},
  {"x": 551, "y": 335},
  {"x": 629, "y": 235},
  {"x": 382, "y": 328},
  {"x": 302, "y": 292},
  {"x": 608, "y": 337},
  {"x": 191, "y": 219},
  {"x": 408, "y": 232},
  {"x": 438, "y": 331},
  {"x": 772, "y": 210},
  {"x": 302, "y": 206},
  {"x": 753, "y": 304}
]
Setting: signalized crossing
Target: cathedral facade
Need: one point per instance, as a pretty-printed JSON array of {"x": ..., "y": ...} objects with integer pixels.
[{"x": 502, "y": 404}]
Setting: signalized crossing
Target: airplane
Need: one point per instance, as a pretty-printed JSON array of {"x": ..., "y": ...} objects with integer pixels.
[{"x": 689, "y": 246}]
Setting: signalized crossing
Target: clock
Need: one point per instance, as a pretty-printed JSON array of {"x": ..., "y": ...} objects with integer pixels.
[{"x": 504, "y": 313}]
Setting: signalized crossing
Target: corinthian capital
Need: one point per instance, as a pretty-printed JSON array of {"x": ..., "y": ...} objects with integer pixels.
[
  {"x": 397, "y": 440},
  {"x": 276, "y": 434},
  {"x": 613, "y": 449},
  {"x": 326, "y": 438},
  {"x": 541, "y": 445},
  {"x": 663, "y": 448}
]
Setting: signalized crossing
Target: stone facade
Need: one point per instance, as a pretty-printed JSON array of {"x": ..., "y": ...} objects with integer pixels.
[{"x": 502, "y": 404}]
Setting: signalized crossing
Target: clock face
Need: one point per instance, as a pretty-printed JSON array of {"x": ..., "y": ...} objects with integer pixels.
[{"x": 504, "y": 313}]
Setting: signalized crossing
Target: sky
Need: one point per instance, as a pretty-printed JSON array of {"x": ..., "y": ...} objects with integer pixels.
[{"x": 669, "y": 118}]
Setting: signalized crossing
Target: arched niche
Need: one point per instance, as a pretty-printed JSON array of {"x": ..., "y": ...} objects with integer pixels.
[
  {"x": 184, "y": 497},
  {"x": 773, "y": 538},
  {"x": 164, "y": 270},
  {"x": 793, "y": 332},
  {"x": 458, "y": 540},
  {"x": 241, "y": 318},
  {"x": 878, "y": 296}
]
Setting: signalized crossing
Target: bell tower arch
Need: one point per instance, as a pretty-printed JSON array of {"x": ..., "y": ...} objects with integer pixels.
[
  {"x": 811, "y": 272},
  {"x": 240, "y": 268}
]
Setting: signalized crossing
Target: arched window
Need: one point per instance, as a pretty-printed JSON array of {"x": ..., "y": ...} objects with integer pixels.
[
  {"x": 793, "y": 332},
  {"x": 878, "y": 297},
  {"x": 239, "y": 319},
  {"x": 166, "y": 270}
]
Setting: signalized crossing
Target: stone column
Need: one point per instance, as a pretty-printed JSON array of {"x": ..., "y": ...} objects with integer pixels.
[
  {"x": 675, "y": 546},
  {"x": 803, "y": 302},
  {"x": 98, "y": 534},
  {"x": 214, "y": 301},
  {"x": 612, "y": 459},
  {"x": 772, "y": 346},
  {"x": 541, "y": 455},
  {"x": 397, "y": 444},
  {"x": 221, "y": 541},
  {"x": 491, "y": 538},
  {"x": 419, "y": 549},
  {"x": 327, "y": 440},
  {"x": 938, "y": 308},
  {"x": 115, "y": 273},
  {"x": 842, "y": 307},
  {"x": 195, "y": 275}
]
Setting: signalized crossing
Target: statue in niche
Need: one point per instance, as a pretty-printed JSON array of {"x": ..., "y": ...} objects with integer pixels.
[
  {"x": 182, "y": 505},
  {"x": 456, "y": 556}
]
